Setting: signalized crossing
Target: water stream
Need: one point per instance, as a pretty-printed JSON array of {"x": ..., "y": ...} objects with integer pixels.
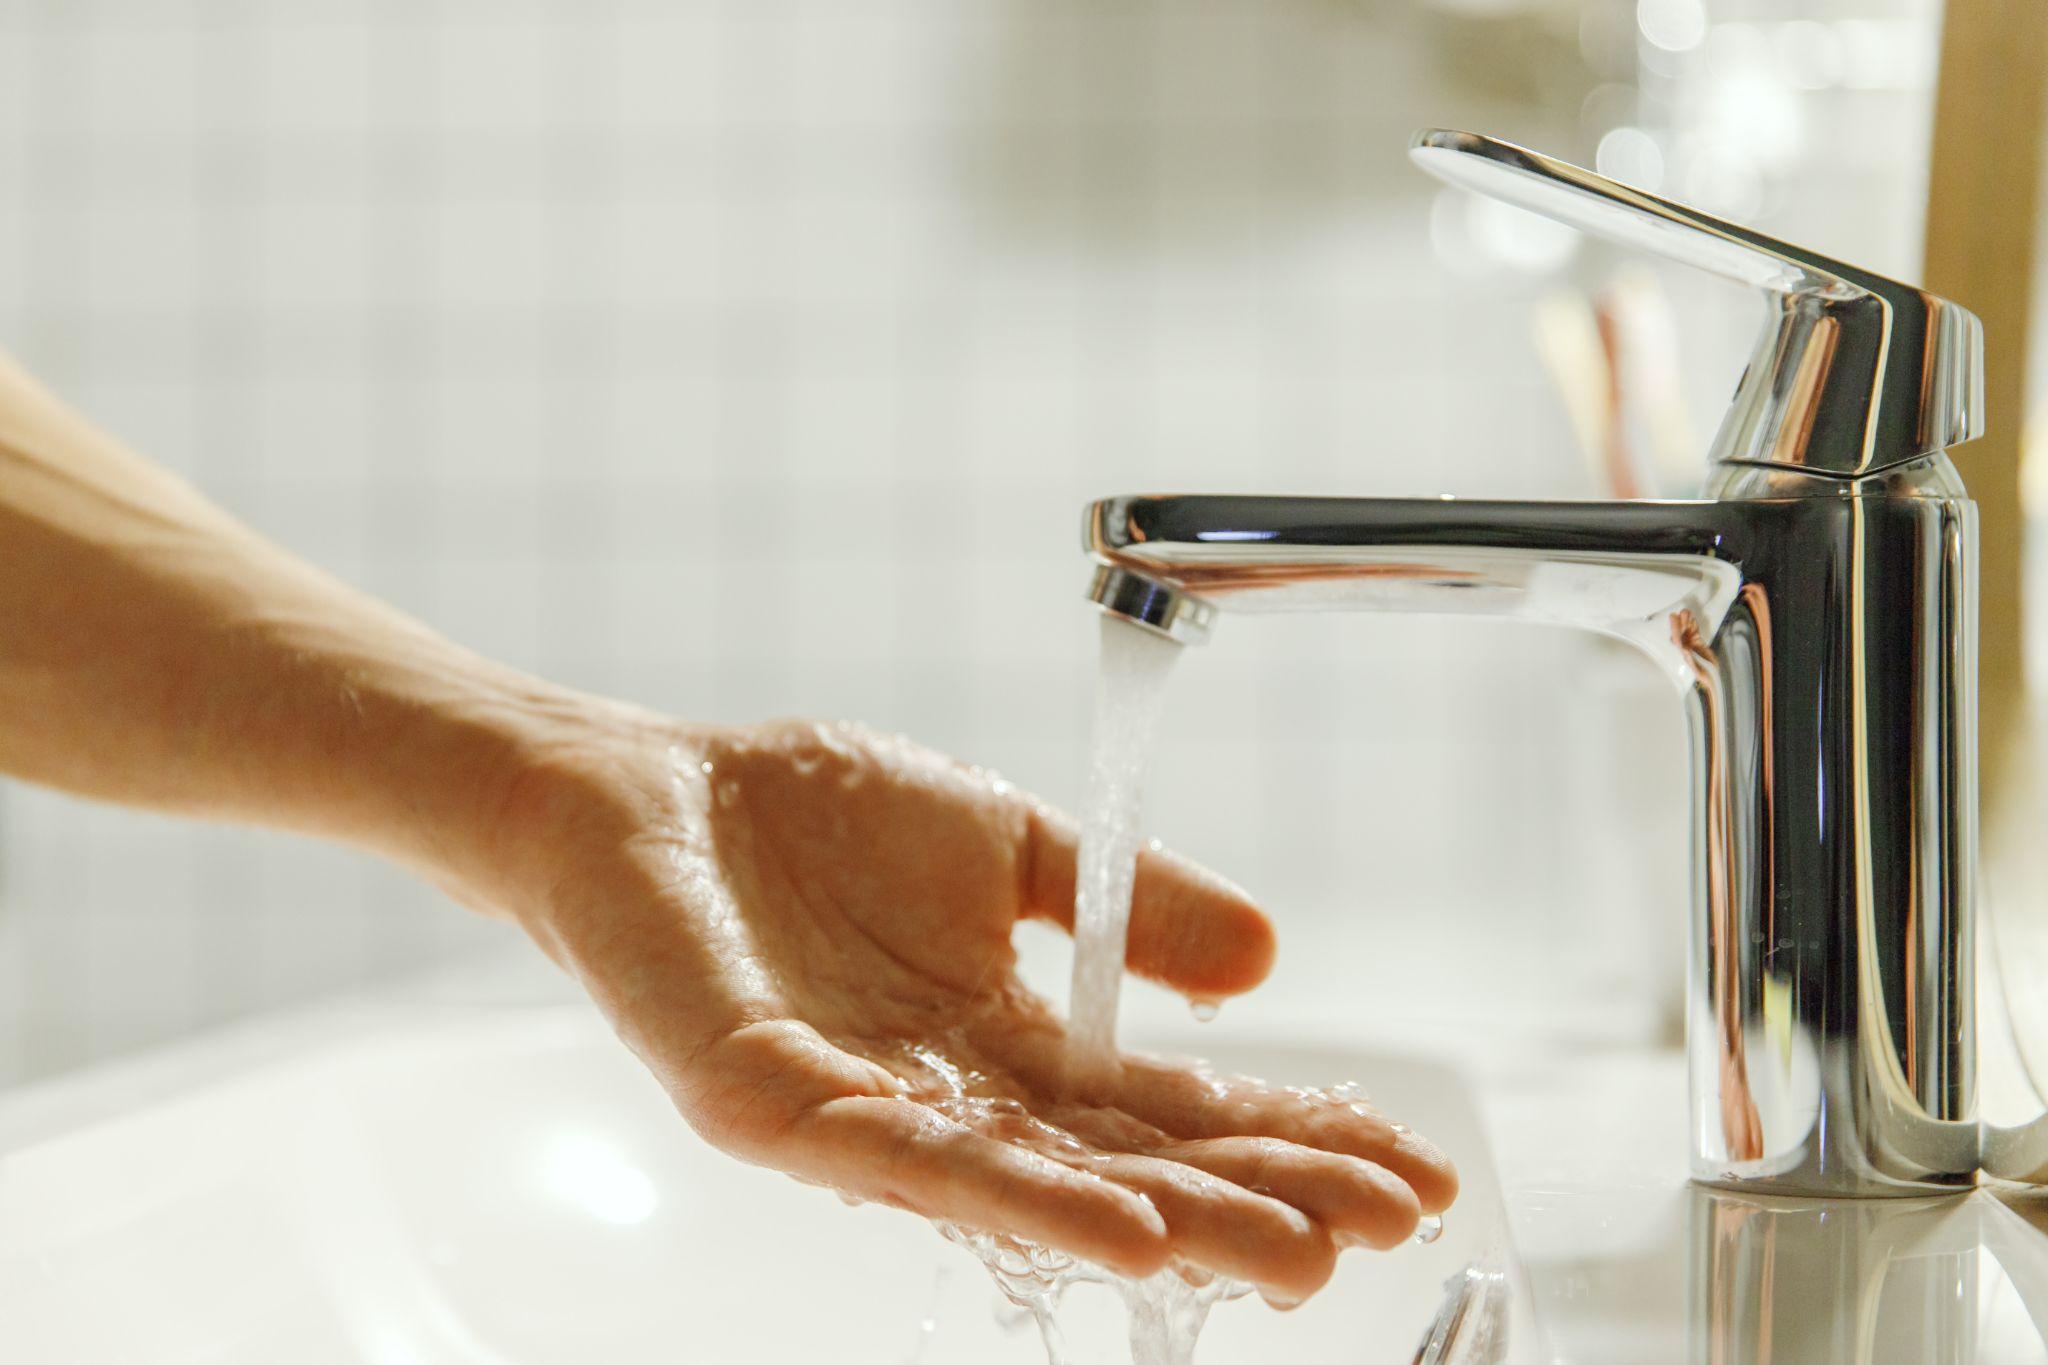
[{"x": 1132, "y": 675}]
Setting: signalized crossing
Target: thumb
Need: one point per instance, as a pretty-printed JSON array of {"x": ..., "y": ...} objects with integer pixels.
[{"x": 1190, "y": 929}]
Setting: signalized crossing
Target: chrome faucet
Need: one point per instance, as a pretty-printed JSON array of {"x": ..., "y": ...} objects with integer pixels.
[{"x": 1818, "y": 614}]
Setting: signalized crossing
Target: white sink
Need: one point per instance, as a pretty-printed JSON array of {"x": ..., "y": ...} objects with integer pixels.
[{"x": 506, "y": 1185}]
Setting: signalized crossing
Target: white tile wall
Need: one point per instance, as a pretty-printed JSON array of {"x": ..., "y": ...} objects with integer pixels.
[{"x": 751, "y": 357}]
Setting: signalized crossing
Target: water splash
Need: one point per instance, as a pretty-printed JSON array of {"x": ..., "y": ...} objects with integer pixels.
[{"x": 1166, "y": 1310}]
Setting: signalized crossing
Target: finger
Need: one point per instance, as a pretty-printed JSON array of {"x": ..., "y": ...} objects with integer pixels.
[
  {"x": 1356, "y": 1200},
  {"x": 1223, "y": 1227},
  {"x": 1193, "y": 1105},
  {"x": 899, "y": 1152},
  {"x": 747, "y": 1089},
  {"x": 780, "y": 1095},
  {"x": 1190, "y": 929}
]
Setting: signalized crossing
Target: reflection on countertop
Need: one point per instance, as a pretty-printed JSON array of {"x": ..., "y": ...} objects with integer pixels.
[
  {"x": 1941, "y": 1279},
  {"x": 1625, "y": 1260},
  {"x": 1719, "y": 1278}
]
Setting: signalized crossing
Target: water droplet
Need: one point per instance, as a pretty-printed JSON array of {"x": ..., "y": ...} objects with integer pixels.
[
  {"x": 1429, "y": 1229},
  {"x": 1397, "y": 1128},
  {"x": 1204, "y": 1010},
  {"x": 705, "y": 767},
  {"x": 851, "y": 1201},
  {"x": 1156, "y": 845}
]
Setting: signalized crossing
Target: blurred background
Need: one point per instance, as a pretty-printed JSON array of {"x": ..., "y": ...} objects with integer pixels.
[{"x": 755, "y": 357}]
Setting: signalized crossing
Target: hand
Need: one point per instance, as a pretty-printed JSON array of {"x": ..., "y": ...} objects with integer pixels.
[{"x": 804, "y": 931}]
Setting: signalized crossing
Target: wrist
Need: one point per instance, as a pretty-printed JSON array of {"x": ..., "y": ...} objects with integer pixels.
[
  {"x": 518, "y": 792},
  {"x": 380, "y": 733}
]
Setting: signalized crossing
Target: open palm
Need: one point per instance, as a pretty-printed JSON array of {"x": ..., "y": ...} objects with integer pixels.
[{"x": 804, "y": 930}]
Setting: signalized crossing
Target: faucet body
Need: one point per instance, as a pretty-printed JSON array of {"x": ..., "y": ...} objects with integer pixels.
[
  {"x": 1821, "y": 632},
  {"x": 1817, "y": 612}
]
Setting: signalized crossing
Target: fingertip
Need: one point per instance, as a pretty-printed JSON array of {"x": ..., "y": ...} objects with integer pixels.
[
  {"x": 1254, "y": 944},
  {"x": 1312, "y": 1260},
  {"x": 1308, "y": 1267},
  {"x": 1196, "y": 931},
  {"x": 1428, "y": 1172},
  {"x": 1390, "y": 1215},
  {"x": 1134, "y": 1242}
]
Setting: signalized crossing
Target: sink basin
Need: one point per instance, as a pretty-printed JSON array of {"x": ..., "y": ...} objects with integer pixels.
[
  {"x": 486, "y": 1186},
  {"x": 470, "y": 1178}
]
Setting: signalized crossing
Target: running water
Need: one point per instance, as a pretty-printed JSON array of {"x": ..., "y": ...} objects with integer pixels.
[{"x": 1134, "y": 665}]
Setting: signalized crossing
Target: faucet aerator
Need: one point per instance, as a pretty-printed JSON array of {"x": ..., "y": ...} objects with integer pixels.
[{"x": 1147, "y": 603}]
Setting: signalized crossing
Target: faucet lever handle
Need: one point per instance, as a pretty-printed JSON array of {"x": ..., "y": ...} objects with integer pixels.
[{"x": 1853, "y": 372}]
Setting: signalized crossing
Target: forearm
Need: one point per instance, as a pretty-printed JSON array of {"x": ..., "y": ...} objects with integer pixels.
[{"x": 154, "y": 651}]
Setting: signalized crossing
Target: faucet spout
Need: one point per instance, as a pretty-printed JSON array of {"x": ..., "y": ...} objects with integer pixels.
[
  {"x": 1822, "y": 634},
  {"x": 1619, "y": 568}
]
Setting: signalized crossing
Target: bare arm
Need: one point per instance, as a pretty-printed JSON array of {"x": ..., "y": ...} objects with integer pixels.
[{"x": 159, "y": 653}]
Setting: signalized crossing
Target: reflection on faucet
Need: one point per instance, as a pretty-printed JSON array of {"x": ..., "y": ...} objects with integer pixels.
[
  {"x": 1741, "y": 1129},
  {"x": 1919, "y": 1282}
]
